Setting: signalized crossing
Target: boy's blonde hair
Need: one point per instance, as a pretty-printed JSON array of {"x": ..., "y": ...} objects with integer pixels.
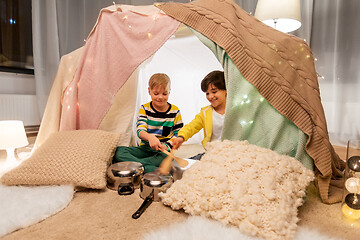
[{"x": 159, "y": 79}]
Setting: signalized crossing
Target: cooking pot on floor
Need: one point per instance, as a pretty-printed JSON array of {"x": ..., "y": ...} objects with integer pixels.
[
  {"x": 124, "y": 177},
  {"x": 177, "y": 172},
  {"x": 151, "y": 185}
]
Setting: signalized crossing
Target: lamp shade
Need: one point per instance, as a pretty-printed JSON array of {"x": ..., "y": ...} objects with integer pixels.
[
  {"x": 12, "y": 134},
  {"x": 282, "y": 15}
]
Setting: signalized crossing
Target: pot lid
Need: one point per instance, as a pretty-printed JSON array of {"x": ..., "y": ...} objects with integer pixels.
[
  {"x": 155, "y": 179},
  {"x": 125, "y": 169}
]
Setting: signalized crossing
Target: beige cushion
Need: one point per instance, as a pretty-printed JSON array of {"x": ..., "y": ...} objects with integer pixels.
[
  {"x": 237, "y": 183},
  {"x": 78, "y": 157}
]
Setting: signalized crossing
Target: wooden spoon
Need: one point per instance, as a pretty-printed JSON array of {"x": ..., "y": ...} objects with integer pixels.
[
  {"x": 166, "y": 165},
  {"x": 182, "y": 162}
]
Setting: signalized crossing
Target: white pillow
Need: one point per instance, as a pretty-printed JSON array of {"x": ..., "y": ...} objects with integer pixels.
[{"x": 253, "y": 188}]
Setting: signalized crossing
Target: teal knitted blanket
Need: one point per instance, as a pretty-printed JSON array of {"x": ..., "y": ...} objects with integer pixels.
[{"x": 249, "y": 116}]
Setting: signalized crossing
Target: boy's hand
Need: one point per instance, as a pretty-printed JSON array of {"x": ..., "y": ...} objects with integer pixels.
[
  {"x": 176, "y": 142},
  {"x": 154, "y": 142},
  {"x": 163, "y": 148}
]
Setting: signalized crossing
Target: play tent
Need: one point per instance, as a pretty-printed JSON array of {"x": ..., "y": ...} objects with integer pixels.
[{"x": 273, "y": 93}]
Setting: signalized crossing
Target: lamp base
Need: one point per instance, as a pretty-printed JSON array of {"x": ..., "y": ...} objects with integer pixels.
[{"x": 11, "y": 159}]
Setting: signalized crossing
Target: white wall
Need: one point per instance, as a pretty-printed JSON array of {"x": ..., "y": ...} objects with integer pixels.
[
  {"x": 186, "y": 60},
  {"x": 14, "y": 83},
  {"x": 18, "y": 98}
]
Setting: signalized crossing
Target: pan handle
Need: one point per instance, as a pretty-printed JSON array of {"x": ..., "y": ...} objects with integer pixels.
[
  {"x": 148, "y": 200},
  {"x": 126, "y": 189}
]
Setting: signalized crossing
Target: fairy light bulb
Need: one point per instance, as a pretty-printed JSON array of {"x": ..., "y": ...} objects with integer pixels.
[
  {"x": 354, "y": 163},
  {"x": 352, "y": 185},
  {"x": 350, "y": 212},
  {"x": 352, "y": 200}
]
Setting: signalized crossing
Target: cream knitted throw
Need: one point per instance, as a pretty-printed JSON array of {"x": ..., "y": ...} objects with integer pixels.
[{"x": 253, "y": 188}]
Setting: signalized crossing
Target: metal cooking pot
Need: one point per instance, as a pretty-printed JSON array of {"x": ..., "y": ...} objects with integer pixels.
[
  {"x": 151, "y": 185},
  {"x": 177, "y": 172},
  {"x": 124, "y": 177}
]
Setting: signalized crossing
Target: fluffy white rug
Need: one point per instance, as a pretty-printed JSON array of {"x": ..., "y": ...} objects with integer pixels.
[
  {"x": 23, "y": 206},
  {"x": 201, "y": 228}
]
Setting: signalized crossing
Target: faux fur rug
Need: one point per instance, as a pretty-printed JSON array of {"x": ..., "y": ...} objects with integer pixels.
[
  {"x": 23, "y": 206},
  {"x": 201, "y": 228}
]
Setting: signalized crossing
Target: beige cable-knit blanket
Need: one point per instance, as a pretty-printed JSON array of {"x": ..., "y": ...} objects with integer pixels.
[{"x": 280, "y": 66}]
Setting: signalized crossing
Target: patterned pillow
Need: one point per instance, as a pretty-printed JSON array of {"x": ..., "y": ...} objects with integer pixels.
[
  {"x": 253, "y": 188},
  {"x": 78, "y": 157}
]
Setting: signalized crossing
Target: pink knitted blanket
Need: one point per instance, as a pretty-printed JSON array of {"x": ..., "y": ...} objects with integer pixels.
[{"x": 120, "y": 42}]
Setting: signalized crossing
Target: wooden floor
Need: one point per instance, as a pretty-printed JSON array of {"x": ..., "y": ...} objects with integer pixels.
[
  {"x": 91, "y": 215},
  {"x": 341, "y": 151}
]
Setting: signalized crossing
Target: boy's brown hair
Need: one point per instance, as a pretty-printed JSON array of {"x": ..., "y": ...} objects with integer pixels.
[
  {"x": 215, "y": 78},
  {"x": 159, "y": 79}
]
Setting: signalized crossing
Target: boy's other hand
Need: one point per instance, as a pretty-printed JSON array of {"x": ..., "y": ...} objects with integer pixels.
[
  {"x": 177, "y": 142},
  {"x": 154, "y": 142}
]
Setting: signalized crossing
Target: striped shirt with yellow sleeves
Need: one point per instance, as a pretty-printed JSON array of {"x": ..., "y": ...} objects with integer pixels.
[{"x": 164, "y": 125}]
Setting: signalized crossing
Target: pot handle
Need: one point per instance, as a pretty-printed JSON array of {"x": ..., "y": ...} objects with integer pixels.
[
  {"x": 148, "y": 200},
  {"x": 126, "y": 189}
]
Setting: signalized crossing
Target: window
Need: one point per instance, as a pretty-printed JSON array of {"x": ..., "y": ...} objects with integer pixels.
[{"x": 16, "y": 54}]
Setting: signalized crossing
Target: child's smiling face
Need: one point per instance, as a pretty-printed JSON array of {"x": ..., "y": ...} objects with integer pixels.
[
  {"x": 216, "y": 97},
  {"x": 159, "y": 96}
]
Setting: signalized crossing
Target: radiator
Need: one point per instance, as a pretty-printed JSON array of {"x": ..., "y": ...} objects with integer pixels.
[{"x": 19, "y": 107}]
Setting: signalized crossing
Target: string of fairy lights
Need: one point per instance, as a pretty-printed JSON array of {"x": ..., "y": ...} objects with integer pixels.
[{"x": 351, "y": 203}]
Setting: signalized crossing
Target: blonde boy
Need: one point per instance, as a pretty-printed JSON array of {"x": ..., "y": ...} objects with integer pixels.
[{"x": 157, "y": 125}]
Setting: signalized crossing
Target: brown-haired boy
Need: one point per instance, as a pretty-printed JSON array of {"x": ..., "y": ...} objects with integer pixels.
[
  {"x": 157, "y": 125},
  {"x": 210, "y": 118}
]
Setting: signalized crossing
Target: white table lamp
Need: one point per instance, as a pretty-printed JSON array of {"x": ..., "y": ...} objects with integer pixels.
[
  {"x": 12, "y": 135},
  {"x": 283, "y": 15}
]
